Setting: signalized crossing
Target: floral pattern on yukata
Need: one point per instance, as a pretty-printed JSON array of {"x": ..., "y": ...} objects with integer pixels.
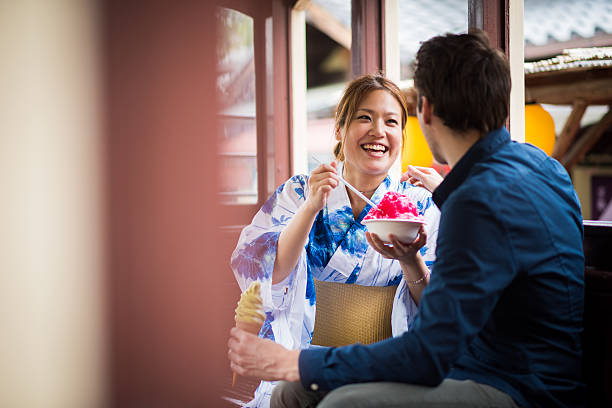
[{"x": 336, "y": 251}]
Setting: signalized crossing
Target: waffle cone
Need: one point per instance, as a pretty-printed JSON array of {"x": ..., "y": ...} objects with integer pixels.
[{"x": 250, "y": 327}]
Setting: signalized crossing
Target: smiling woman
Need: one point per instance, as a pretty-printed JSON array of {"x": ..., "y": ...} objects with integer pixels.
[
  {"x": 310, "y": 228},
  {"x": 372, "y": 142}
]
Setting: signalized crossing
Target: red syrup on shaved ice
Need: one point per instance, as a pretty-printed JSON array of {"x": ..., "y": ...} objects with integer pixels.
[{"x": 395, "y": 206}]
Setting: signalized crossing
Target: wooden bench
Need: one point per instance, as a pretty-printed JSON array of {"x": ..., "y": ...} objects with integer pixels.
[{"x": 597, "y": 335}]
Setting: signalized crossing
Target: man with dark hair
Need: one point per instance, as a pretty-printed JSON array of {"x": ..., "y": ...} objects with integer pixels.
[{"x": 500, "y": 322}]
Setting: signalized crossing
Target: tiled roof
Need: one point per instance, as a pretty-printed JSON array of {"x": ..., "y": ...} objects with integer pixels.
[
  {"x": 562, "y": 20},
  {"x": 573, "y": 59},
  {"x": 546, "y": 21}
]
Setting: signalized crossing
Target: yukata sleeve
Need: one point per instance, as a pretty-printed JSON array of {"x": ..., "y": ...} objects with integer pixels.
[
  {"x": 404, "y": 309},
  {"x": 254, "y": 255},
  {"x": 431, "y": 214}
]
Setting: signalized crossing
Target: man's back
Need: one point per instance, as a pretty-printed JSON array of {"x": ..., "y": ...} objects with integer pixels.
[{"x": 530, "y": 345}]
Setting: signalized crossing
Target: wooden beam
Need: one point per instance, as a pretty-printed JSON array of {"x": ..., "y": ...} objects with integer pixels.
[
  {"x": 586, "y": 142},
  {"x": 534, "y": 52},
  {"x": 298, "y": 110},
  {"x": 366, "y": 48},
  {"x": 328, "y": 24},
  {"x": 475, "y": 14},
  {"x": 301, "y": 5},
  {"x": 280, "y": 162},
  {"x": 515, "y": 50},
  {"x": 570, "y": 129},
  {"x": 390, "y": 40},
  {"x": 490, "y": 16},
  {"x": 594, "y": 92}
]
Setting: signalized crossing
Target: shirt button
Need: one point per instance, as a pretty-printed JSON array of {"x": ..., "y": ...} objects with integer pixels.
[{"x": 314, "y": 387}]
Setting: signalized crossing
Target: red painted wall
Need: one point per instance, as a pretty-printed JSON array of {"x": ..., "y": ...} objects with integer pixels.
[{"x": 170, "y": 298}]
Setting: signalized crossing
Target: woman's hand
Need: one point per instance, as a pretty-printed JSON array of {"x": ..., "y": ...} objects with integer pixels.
[
  {"x": 423, "y": 177},
  {"x": 413, "y": 267},
  {"x": 294, "y": 236},
  {"x": 251, "y": 356},
  {"x": 321, "y": 182},
  {"x": 406, "y": 253}
]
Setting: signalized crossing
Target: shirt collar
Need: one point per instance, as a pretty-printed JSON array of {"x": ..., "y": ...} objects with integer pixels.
[{"x": 484, "y": 147}]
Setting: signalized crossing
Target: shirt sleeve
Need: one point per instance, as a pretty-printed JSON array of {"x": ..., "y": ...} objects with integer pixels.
[
  {"x": 255, "y": 254},
  {"x": 474, "y": 264},
  {"x": 431, "y": 215}
]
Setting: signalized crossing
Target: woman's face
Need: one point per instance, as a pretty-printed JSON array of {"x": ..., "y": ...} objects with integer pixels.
[{"x": 372, "y": 141}]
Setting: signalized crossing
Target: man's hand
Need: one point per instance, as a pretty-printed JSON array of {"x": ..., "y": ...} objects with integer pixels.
[
  {"x": 251, "y": 356},
  {"x": 422, "y": 177}
]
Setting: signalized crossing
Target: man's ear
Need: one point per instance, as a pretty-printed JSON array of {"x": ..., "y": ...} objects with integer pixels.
[{"x": 426, "y": 110}]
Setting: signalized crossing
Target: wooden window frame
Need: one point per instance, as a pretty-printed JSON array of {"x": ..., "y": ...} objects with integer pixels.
[
  {"x": 272, "y": 108},
  {"x": 366, "y": 37}
]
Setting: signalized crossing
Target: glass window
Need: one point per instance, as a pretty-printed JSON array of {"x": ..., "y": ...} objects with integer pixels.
[
  {"x": 237, "y": 117},
  {"x": 328, "y": 69},
  {"x": 419, "y": 21}
]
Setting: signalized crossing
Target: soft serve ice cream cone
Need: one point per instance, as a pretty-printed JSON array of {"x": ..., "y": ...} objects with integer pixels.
[{"x": 250, "y": 315}]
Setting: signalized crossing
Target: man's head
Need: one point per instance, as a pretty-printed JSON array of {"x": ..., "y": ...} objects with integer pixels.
[{"x": 465, "y": 80}]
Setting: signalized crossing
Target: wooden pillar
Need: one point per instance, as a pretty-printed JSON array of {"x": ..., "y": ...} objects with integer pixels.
[
  {"x": 168, "y": 329},
  {"x": 366, "y": 43},
  {"x": 491, "y": 16}
]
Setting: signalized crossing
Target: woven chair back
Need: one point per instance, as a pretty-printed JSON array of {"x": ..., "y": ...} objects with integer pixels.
[{"x": 349, "y": 313}]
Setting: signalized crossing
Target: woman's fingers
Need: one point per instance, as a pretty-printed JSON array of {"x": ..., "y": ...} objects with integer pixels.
[
  {"x": 322, "y": 180},
  {"x": 415, "y": 181},
  {"x": 397, "y": 249},
  {"x": 325, "y": 174},
  {"x": 421, "y": 238},
  {"x": 426, "y": 177},
  {"x": 379, "y": 245},
  {"x": 412, "y": 172}
]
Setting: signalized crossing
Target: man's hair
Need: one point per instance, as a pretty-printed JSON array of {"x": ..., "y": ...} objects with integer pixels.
[
  {"x": 465, "y": 79},
  {"x": 354, "y": 93}
]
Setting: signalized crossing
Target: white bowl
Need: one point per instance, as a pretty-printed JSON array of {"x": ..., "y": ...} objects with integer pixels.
[{"x": 405, "y": 230}]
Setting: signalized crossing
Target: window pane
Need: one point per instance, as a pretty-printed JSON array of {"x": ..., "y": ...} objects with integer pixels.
[
  {"x": 566, "y": 46},
  {"x": 418, "y": 21},
  {"x": 237, "y": 118},
  {"x": 328, "y": 64}
]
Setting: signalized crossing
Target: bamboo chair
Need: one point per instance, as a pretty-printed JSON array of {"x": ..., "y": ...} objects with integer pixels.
[{"x": 349, "y": 313}]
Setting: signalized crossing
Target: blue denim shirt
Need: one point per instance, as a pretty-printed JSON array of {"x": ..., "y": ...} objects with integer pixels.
[{"x": 505, "y": 301}]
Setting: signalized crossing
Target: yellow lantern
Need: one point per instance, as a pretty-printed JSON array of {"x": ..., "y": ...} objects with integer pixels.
[
  {"x": 415, "y": 151},
  {"x": 539, "y": 127}
]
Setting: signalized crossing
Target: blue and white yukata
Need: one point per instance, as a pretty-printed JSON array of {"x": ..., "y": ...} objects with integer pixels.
[{"x": 336, "y": 251}]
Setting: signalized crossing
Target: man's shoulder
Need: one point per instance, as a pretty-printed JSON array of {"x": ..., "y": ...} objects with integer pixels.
[
  {"x": 520, "y": 185},
  {"x": 508, "y": 179}
]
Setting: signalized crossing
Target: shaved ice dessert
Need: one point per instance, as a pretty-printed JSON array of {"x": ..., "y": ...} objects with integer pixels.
[{"x": 395, "y": 206}]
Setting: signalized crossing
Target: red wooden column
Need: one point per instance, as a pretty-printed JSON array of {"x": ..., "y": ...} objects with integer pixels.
[
  {"x": 280, "y": 75},
  {"x": 167, "y": 330},
  {"x": 367, "y": 35},
  {"x": 491, "y": 16}
]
